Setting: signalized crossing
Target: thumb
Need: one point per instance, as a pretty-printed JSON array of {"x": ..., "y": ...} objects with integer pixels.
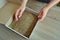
[{"x": 21, "y": 12}]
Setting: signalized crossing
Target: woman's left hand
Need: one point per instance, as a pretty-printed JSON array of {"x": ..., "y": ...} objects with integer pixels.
[{"x": 42, "y": 14}]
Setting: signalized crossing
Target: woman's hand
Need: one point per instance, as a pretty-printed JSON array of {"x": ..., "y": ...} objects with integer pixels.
[
  {"x": 42, "y": 14},
  {"x": 44, "y": 11},
  {"x": 19, "y": 12}
]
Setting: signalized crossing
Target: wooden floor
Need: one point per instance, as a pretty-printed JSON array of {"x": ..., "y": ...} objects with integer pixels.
[
  {"x": 5, "y": 13},
  {"x": 48, "y": 29},
  {"x": 6, "y": 34}
]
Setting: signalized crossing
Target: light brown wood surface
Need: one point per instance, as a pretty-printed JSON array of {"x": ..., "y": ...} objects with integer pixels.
[
  {"x": 7, "y": 11},
  {"x": 6, "y": 34},
  {"x": 49, "y": 29}
]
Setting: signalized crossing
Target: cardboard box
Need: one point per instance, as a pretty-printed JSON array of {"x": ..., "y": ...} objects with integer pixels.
[{"x": 26, "y": 23}]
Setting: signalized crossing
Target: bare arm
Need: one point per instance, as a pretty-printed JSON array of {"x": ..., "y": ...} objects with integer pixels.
[
  {"x": 44, "y": 10},
  {"x": 24, "y": 2},
  {"x": 52, "y": 3}
]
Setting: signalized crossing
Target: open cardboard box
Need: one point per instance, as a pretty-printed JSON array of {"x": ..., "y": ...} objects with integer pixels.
[{"x": 26, "y": 23}]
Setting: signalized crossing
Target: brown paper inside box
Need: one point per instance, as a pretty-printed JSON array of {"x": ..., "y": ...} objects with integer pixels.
[{"x": 25, "y": 24}]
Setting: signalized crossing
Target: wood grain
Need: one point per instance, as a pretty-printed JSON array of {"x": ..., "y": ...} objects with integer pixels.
[
  {"x": 6, "y": 34},
  {"x": 7, "y": 11}
]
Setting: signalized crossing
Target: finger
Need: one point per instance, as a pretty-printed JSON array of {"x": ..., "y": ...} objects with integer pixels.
[
  {"x": 16, "y": 16},
  {"x": 21, "y": 12},
  {"x": 40, "y": 15},
  {"x": 42, "y": 18}
]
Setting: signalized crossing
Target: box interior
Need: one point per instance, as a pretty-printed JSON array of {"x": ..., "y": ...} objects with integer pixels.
[{"x": 25, "y": 24}]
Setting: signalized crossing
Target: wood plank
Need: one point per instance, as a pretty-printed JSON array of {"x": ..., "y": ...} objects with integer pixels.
[
  {"x": 7, "y": 11},
  {"x": 6, "y": 34},
  {"x": 49, "y": 29}
]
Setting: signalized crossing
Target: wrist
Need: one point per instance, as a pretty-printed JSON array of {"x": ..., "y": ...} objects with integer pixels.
[
  {"x": 46, "y": 8},
  {"x": 24, "y": 2},
  {"x": 22, "y": 6}
]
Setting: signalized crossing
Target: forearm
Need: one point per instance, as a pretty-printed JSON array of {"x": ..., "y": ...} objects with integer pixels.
[
  {"x": 52, "y": 3},
  {"x": 24, "y": 2}
]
